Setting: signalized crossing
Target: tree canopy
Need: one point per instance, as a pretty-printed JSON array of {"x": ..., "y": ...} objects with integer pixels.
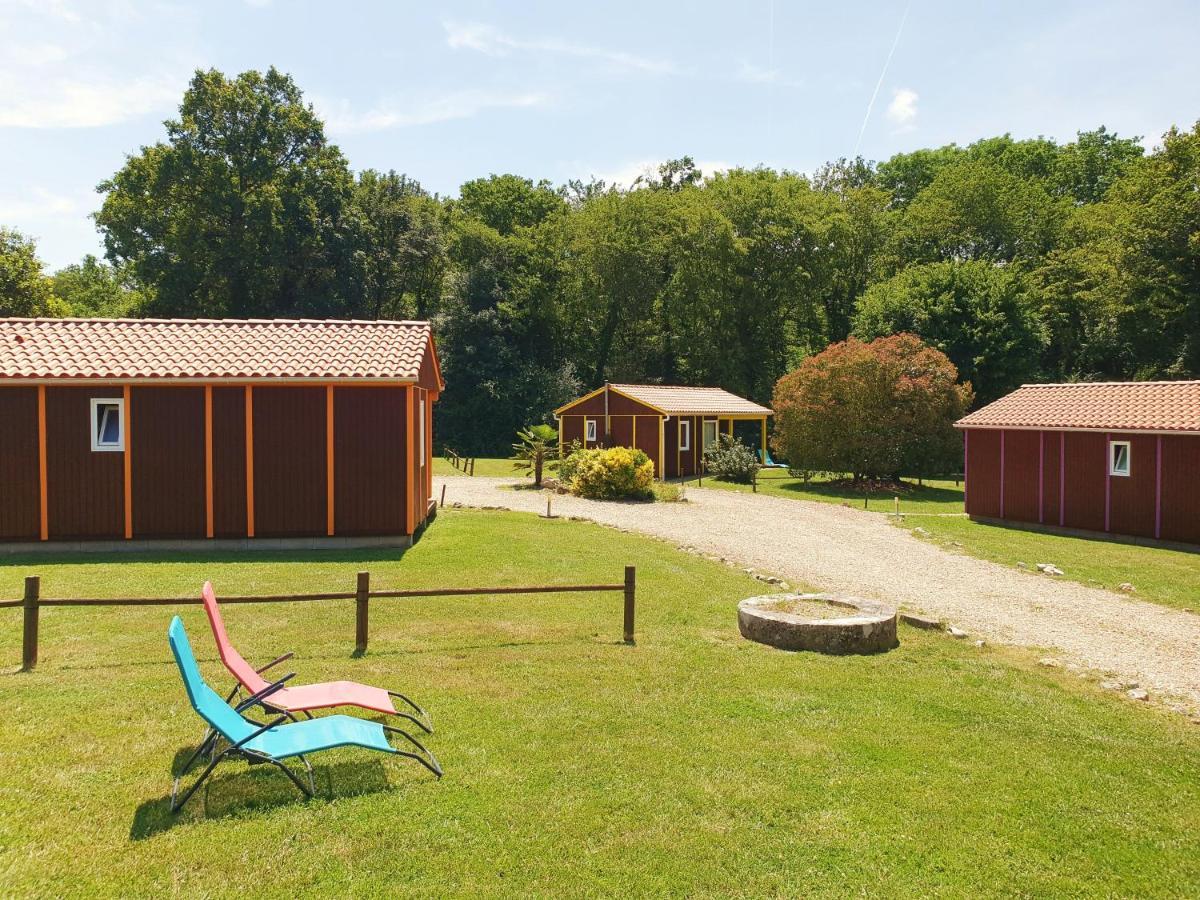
[{"x": 1020, "y": 259}]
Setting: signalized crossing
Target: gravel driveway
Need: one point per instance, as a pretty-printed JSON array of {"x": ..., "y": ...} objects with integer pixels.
[{"x": 854, "y": 552}]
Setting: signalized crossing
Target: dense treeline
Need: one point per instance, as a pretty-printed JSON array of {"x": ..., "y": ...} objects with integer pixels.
[{"x": 1020, "y": 259}]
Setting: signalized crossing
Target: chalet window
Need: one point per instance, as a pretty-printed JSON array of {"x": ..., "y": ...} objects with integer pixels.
[
  {"x": 685, "y": 434},
  {"x": 108, "y": 424},
  {"x": 1118, "y": 458},
  {"x": 590, "y": 434}
]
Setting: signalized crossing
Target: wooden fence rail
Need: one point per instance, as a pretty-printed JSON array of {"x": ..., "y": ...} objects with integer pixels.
[
  {"x": 464, "y": 464},
  {"x": 362, "y": 595}
]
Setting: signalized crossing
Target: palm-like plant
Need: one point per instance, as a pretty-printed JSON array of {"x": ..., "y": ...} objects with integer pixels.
[{"x": 538, "y": 444}]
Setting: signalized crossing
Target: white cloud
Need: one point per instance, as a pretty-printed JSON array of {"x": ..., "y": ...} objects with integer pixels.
[
  {"x": 902, "y": 111},
  {"x": 38, "y": 204},
  {"x": 97, "y": 70},
  {"x": 752, "y": 73},
  {"x": 493, "y": 42},
  {"x": 340, "y": 117},
  {"x": 72, "y": 102}
]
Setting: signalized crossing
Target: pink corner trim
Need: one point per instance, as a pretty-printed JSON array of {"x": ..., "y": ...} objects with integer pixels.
[{"x": 1002, "y": 473}]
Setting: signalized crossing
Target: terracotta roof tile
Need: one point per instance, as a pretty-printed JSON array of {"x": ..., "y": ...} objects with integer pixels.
[
  {"x": 1108, "y": 406},
  {"x": 211, "y": 349},
  {"x": 692, "y": 400}
]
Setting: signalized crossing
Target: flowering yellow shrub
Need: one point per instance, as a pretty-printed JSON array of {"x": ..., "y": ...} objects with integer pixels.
[{"x": 617, "y": 473}]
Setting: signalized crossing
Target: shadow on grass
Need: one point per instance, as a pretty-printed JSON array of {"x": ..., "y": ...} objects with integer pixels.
[
  {"x": 243, "y": 789},
  {"x": 846, "y": 492},
  {"x": 338, "y": 554}
]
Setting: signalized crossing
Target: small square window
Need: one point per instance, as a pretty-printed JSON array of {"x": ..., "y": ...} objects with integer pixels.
[
  {"x": 1118, "y": 458},
  {"x": 685, "y": 434},
  {"x": 590, "y": 434},
  {"x": 108, "y": 424}
]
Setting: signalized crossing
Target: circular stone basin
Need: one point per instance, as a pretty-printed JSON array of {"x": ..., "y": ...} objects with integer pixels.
[{"x": 819, "y": 622}]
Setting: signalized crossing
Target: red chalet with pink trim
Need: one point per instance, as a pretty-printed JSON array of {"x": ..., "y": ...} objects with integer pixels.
[{"x": 1118, "y": 458}]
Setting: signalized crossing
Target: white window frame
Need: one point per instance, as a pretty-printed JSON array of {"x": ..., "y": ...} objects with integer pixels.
[
  {"x": 421, "y": 434},
  {"x": 1112, "y": 459},
  {"x": 589, "y": 430},
  {"x": 685, "y": 434},
  {"x": 96, "y": 403}
]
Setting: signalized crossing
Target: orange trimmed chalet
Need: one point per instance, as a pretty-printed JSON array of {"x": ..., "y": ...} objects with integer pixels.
[
  {"x": 215, "y": 432},
  {"x": 1110, "y": 458},
  {"x": 672, "y": 425}
]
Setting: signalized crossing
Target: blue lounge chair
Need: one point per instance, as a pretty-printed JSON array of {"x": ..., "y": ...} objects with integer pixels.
[
  {"x": 768, "y": 463},
  {"x": 274, "y": 741}
]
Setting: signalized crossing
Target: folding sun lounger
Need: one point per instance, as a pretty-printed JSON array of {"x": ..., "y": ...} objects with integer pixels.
[
  {"x": 308, "y": 697},
  {"x": 276, "y": 740}
]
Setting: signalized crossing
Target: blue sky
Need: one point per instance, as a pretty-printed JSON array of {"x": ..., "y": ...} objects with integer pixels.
[{"x": 448, "y": 92}]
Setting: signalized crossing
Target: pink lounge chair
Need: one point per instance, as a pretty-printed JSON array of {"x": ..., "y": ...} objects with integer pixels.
[{"x": 305, "y": 698}]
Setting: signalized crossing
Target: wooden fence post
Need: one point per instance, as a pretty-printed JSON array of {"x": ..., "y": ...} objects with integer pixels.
[
  {"x": 630, "y": 599},
  {"x": 442, "y": 502},
  {"x": 362, "y": 597},
  {"x": 29, "y": 645}
]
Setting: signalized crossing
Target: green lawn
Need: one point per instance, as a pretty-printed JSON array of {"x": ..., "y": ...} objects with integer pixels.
[
  {"x": 1169, "y": 577},
  {"x": 692, "y": 763},
  {"x": 484, "y": 466},
  {"x": 939, "y": 496}
]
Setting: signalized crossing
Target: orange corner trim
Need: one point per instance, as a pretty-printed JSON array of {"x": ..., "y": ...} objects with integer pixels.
[
  {"x": 128, "y": 454},
  {"x": 209, "y": 524},
  {"x": 44, "y": 528},
  {"x": 249, "y": 461},
  {"x": 410, "y": 465},
  {"x": 329, "y": 460}
]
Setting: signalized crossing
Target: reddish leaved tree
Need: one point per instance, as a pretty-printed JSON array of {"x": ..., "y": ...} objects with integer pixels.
[{"x": 882, "y": 409}]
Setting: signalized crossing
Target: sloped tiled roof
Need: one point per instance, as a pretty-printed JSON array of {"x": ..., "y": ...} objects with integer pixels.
[
  {"x": 685, "y": 401},
  {"x": 211, "y": 348},
  {"x": 1108, "y": 406}
]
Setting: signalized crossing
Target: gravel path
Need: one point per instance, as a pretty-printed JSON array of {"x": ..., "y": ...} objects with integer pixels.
[{"x": 859, "y": 553}]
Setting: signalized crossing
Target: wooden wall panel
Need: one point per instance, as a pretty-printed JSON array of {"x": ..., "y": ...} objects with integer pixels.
[
  {"x": 1051, "y": 466},
  {"x": 369, "y": 479},
  {"x": 420, "y": 488},
  {"x": 20, "y": 500},
  {"x": 624, "y": 406},
  {"x": 621, "y": 428},
  {"x": 85, "y": 488},
  {"x": 593, "y": 406},
  {"x": 168, "y": 462},
  {"x": 1086, "y": 462},
  {"x": 647, "y": 438},
  {"x": 1021, "y": 475},
  {"x": 1181, "y": 488},
  {"x": 289, "y": 461},
  {"x": 670, "y": 446},
  {"x": 229, "y": 462},
  {"x": 1131, "y": 504},
  {"x": 983, "y": 472},
  {"x": 571, "y": 428}
]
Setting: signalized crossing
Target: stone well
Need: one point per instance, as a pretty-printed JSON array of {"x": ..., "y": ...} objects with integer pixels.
[{"x": 867, "y": 626}]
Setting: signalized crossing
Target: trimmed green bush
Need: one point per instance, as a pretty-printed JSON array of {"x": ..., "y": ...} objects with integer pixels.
[
  {"x": 617, "y": 473},
  {"x": 730, "y": 460}
]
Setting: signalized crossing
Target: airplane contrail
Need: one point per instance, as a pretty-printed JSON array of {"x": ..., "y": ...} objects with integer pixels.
[{"x": 879, "y": 83}]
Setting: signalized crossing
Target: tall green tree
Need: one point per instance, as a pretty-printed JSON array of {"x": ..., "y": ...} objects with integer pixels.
[
  {"x": 92, "y": 288},
  {"x": 978, "y": 313},
  {"x": 24, "y": 288},
  {"x": 400, "y": 248},
  {"x": 241, "y": 211}
]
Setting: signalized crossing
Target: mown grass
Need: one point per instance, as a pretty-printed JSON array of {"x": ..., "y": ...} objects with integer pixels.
[
  {"x": 489, "y": 467},
  {"x": 1160, "y": 575},
  {"x": 692, "y": 763},
  {"x": 936, "y": 496}
]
